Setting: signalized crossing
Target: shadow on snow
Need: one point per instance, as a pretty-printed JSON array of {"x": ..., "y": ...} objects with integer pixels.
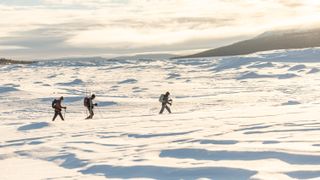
[
  {"x": 202, "y": 154},
  {"x": 168, "y": 173},
  {"x": 32, "y": 126}
]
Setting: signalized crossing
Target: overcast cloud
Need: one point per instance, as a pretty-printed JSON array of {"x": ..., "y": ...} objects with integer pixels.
[{"x": 59, "y": 28}]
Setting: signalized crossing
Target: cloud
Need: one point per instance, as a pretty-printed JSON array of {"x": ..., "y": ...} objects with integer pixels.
[
  {"x": 68, "y": 27},
  {"x": 5, "y": 48},
  {"x": 85, "y": 3}
]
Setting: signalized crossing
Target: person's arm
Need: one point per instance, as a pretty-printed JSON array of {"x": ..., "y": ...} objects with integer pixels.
[
  {"x": 170, "y": 101},
  {"x": 167, "y": 100},
  {"x": 62, "y": 107}
]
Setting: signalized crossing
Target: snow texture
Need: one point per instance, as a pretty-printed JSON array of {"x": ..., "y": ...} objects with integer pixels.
[{"x": 241, "y": 117}]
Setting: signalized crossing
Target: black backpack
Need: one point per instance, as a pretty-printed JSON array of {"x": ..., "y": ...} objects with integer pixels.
[
  {"x": 54, "y": 103},
  {"x": 161, "y": 98},
  {"x": 86, "y": 102}
]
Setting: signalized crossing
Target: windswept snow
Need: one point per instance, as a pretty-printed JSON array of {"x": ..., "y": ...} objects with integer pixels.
[
  {"x": 298, "y": 67},
  {"x": 291, "y": 103},
  {"x": 253, "y": 75},
  {"x": 314, "y": 70},
  {"x": 243, "y": 117},
  {"x": 128, "y": 81}
]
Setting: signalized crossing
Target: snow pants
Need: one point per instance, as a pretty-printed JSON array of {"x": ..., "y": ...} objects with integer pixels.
[
  {"x": 56, "y": 113},
  {"x": 164, "y": 106}
]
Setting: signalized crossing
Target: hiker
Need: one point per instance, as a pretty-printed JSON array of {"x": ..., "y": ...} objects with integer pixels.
[
  {"x": 56, "y": 104},
  {"x": 89, "y": 104},
  {"x": 164, "y": 99}
]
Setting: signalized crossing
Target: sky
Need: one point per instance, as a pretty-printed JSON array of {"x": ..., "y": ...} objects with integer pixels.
[{"x": 42, "y": 29}]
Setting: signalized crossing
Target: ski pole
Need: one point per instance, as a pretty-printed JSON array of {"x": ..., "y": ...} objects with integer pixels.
[
  {"x": 64, "y": 114},
  {"x": 100, "y": 112}
]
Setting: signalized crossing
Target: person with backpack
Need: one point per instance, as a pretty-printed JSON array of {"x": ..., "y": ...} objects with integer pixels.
[
  {"x": 88, "y": 103},
  {"x": 164, "y": 99},
  {"x": 56, "y": 104}
]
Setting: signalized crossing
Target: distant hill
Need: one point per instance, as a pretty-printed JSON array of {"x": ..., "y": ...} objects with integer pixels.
[
  {"x": 93, "y": 58},
  {"x": 134, "y": 57},
  {"x": 272, "y": 40},
  {"x": 146, "y": 56},
  {"x": 4, "y": 61}
]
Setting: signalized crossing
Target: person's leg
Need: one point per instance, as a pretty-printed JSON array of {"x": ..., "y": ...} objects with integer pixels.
[
  {"x": 168, "y": 109},
  {"x": 92, "y": 113},
  {"x": 162, "y": 108},
  {"x": 61, "y": 116},
  {"x": 89, "y": 113},
  {"x": 55, "y": 115}
]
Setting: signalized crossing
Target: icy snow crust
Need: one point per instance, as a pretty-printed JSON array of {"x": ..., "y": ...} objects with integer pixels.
[{"x": 243, "y": 117}]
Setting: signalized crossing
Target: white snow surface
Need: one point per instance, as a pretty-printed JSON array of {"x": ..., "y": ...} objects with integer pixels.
[{"x": 242, "y": 117}]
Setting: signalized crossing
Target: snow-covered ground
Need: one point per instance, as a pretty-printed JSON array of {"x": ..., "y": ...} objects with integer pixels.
[{"x": 245, "y": 117}]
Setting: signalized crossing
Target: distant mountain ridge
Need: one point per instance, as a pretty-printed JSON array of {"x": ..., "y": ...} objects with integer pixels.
[
  {"x": 133, "y": 57},
  {"x": 271, "y": 40},
  {"x": 4, "y": 61}
]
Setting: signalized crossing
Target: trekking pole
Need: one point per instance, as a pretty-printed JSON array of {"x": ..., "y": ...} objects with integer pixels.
[
  {"x": 64, "y": 114},
  {"x": 100, "y": 112},
  {"x": 85, "y": 98}
]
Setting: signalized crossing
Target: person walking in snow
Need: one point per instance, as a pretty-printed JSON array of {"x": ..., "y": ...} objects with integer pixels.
[
  {"x": 164, "y": 99},
  {"x": 56, "y": 104},
  {"x": 88, "y": 102}
]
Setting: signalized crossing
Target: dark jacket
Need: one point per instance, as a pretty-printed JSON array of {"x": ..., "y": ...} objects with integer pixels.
[
  {"x": 57, "y": 105},
  {"x": 91, "y": 104},
  {"x": 166, "y": 99}
]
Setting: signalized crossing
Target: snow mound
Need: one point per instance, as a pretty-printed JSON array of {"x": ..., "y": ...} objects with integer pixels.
[
  {"x": 286, "y": 76},
  {"x": 72, "y": 83},
  {"x": 292, "y": 55},
  {"x": 313, "y": 70},
  {"x": 139, "y": 90},
  {"x": 297, "y": 67},
  {"x": 254, "y": 75},
  {"x": 233, "y": 63},
  {"x": 290, "y": 103},
  {"x": 173, "y": 76},
  {"x": 128, "y": 81},
  {"x": 262, "y": 65}
]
